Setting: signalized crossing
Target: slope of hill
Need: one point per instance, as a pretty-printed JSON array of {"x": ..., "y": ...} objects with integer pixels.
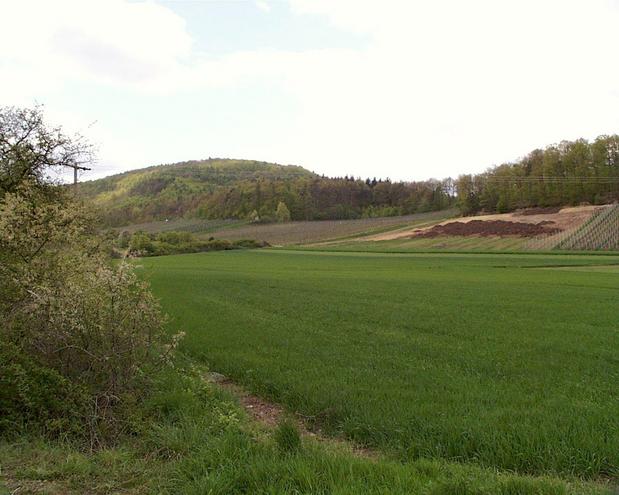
[
  {"x": 584, "y": 228},
  {"x": 295, "y": 233},
  {"x": 176, "y": 189},
  {"x": 599, "y": 232},
  {"x": 242, "y": 189}
]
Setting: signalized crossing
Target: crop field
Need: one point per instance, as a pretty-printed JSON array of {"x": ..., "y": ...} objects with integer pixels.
[
  {"x": 442, "y": 243},
  {"x": 317, "y": 231},
  {"x": 290, "y": 232},
  {"x": 490, "y": 360},
  {"x": 194, "y": 225}
]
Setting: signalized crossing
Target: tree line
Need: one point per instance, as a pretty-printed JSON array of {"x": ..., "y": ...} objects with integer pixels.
[
  {"x": 271, "y": 199},
  {"x": 568, "y": 173},
  {"x": 326, "y": 199}
]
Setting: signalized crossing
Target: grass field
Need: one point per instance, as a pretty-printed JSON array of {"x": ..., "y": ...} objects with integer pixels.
[{"x": 481, "y": 359}]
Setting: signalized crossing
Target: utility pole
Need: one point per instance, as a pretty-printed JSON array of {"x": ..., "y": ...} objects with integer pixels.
[{"x": 75, "y": 169}]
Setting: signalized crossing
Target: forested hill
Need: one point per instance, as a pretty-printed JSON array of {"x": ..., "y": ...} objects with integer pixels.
[
  {"x": 568, "y": 173},
  {"x": 223, "y": 188}
]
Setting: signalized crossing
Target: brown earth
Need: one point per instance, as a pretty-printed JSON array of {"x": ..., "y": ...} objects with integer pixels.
[
  {"x": 486, "y": 228},
  {"x": 564, "y": 219},
  {"x": 270, "y": 415}
]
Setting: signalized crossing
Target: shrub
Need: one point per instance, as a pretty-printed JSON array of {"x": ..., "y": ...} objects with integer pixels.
[
  {"x": 73, "y": 313},
  {"x": 250, "y": 243},
  {"x": 142, "y": 244},
  {"x": 32, "y": 395},
  {"x": 77, "y": 330}
]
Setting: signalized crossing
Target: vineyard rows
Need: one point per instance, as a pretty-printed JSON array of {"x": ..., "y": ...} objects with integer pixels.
[{"x": 599, "y": 232}]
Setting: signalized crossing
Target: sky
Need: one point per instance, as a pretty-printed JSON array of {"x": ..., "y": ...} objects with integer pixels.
[{"x": 405, "y": 89}]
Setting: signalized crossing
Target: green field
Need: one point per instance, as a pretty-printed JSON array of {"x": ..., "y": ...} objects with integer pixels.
[{"x": 479, "y": 359}]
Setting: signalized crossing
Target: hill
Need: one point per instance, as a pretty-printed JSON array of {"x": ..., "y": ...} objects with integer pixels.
[
  {"x": 570, "y": 173},
  {"x": 241, "y": 189},
  {"x": 176, "y": 189}
]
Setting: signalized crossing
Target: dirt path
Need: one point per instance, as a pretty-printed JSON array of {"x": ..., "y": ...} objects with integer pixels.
[{"x": 269, "y": 415}]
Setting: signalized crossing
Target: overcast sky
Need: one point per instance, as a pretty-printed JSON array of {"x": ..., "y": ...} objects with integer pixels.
[{"x": 402, "y": 89}]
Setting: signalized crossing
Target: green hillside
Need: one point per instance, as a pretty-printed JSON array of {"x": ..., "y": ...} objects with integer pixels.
[
  {"x": 176, "y": 189},
  {"x": 570, "y": 173},
  {"x": 242, "y": 189}
]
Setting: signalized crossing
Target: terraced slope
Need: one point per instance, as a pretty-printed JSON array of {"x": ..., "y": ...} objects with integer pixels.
[{"x": 600, "y": 232}]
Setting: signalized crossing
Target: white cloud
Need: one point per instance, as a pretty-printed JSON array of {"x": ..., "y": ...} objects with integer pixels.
[
  {"x": 450, "y": 86},
  {"x": 264, "y": 6},
  {"x": 112, "y": 41},
  {"x": 442, "y": 87}
]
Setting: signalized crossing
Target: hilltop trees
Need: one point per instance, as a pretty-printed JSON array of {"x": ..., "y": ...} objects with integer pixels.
[
  {"x": 236, "y": 189},
  {"x": 319, "y": 198},
  {"x": 571, "y": 172}
]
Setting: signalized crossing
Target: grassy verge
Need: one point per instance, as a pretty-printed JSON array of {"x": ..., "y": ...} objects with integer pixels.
[{"x": 195, "y": 440}]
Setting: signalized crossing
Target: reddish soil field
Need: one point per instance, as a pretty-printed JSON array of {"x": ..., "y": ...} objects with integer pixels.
[{"x": 487, "y": 228}]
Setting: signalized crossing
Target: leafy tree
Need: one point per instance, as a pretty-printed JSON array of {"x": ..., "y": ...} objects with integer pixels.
[
  {"x": 31, "y": 151},
  {"x": 570, "y": 172},
  {"x": 282, "y": 213},
  {"x": 253, "y": 217}
]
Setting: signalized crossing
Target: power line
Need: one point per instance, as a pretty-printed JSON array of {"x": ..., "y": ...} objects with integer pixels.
[{"x": 553, "y": 180}]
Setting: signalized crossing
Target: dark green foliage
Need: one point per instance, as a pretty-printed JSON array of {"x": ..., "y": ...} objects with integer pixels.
[
  {"x": 569, "y": 173},
  {"x": 36, "y": 397},
  {"x": 171, "y": 242}
]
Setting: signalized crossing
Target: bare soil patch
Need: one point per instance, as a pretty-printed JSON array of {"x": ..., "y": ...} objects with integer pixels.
[
  {"x": 564, "y": 218},
  {"x": 260, "y": 410},
  {"x": 488, "y": 228}
]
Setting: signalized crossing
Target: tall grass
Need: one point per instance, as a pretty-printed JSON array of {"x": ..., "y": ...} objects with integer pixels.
[{"x": 194, "y": 440}]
